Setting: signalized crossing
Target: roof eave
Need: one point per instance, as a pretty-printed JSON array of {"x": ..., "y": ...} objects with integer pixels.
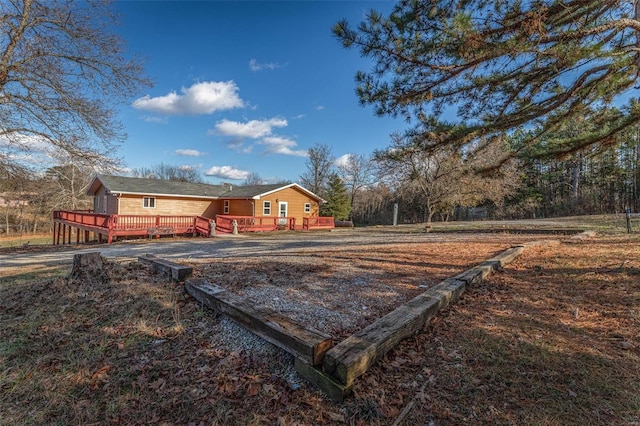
[{"x": 154, "y": 194}]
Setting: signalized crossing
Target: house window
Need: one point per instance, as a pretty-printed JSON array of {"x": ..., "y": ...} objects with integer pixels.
[
  {"x": 307, "y": 207},
  {"x": 266, "y": 208},
  {"x": 149, "y": 202},
  {"x": 226, "y": 206}
]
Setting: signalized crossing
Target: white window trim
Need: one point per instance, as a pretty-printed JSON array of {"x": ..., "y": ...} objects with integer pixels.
[
  {"x": 264, "y": 208},
  {"x": 146, "y": 202},
  {"x": 226, "y": 207},
  {"x": 307, "y": 207}
]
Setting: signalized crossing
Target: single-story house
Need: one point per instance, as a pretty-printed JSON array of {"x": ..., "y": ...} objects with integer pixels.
[{"x": 119, "y": 195}]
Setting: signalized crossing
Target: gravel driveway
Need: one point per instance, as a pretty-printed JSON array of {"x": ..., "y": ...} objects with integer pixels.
[
  {"x": 243, "y": 245},
  {"x": 247, "y": 244}
]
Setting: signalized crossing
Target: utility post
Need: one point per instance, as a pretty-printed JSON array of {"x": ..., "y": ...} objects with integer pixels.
[{"x": 395, "y": 214}]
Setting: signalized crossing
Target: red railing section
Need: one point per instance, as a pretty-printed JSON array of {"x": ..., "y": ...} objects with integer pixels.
[
  {"x": 130, "y": 225},
  {"x": 83, "y": 218},
  {"x": 323, "y": 222},
  {"x": 203, "y": 225},
  {"x": 224, "y": 223}
]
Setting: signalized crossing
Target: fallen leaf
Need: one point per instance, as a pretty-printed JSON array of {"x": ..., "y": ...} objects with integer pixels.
[
  {"x": 268, "y": 388},
  {"x": 101, "y": 372},
  {"x": 336, "y": 417},
  {"x": 253, "y": 389}
]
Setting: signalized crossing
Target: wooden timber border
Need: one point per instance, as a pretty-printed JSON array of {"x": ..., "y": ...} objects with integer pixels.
[
  {"x": 302, "y": 342},
  {"x": 167, "y": 268},
  {"x": 334, "y": 369}
]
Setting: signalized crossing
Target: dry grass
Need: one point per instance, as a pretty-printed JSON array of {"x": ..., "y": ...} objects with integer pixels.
[
  {"x": 553, "y": 339},
  {"x": 15, "y": 241}
]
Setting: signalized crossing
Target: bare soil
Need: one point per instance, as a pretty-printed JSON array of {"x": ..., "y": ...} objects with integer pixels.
[{"x": 552, "y": 339}]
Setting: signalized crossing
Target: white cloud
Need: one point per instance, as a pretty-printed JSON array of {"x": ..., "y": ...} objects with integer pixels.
[
  {"x": 153, "y": 119},
  {"x": 201, "y": 98},
  {"x": 190, "y": 152},
  {"x": 279, "y": 145},
  {"x": 25, "y": 142},
  {"x": 254, "y": 65},
  {"x": 343, "y": 160},
  {"x": 227, "y": 172},
  {"x": 190, "y": 167},
  {"x": 320, "y": 107},
  {"x": 252, "y": 129},
  {"x": 258, "y": 129}
]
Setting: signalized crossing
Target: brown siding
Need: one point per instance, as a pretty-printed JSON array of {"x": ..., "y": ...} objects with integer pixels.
[
  {"x": 237, "y": 207},
  {"x": 112, "y": 204},
  {"x": 296, "y": 200},
  {"x": 132, "y": 204},
  {"x": 105, "y": 204},
  {"x": 216, "y": 207}
]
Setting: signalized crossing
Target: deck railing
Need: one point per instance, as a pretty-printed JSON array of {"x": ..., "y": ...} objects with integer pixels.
[
  {"x": 129, "y": 225},
  {"x": 203, "y": 225},
  {"x": 121, "y": 222},
  {"x": 137, "y": 225},
  {"x": 224, "y": 223},
  {"x": 83, "y": 218},
  {"x": 322, "y": 222}
]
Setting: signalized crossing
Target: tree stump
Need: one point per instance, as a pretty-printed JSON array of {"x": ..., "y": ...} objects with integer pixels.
[{"x": 89, "y": 268}]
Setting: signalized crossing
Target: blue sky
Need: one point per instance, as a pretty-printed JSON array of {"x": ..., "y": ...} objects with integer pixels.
[{"x": 246, "y": 87}]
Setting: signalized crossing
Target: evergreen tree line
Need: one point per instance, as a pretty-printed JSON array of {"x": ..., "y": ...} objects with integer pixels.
[
  {"x": 441, "y": 188},
  {"x": 588, "y": 182}
]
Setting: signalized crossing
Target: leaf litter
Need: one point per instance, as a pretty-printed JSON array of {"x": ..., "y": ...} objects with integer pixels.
[{"x": 551, "y": 339}]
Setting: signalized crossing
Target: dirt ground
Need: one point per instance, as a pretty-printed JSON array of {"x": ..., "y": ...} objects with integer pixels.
[{"x": 551, "y": 339}]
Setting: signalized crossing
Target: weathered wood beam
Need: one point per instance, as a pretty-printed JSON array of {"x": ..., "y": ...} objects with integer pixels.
[
  {"x": 355, "y": 355},
  {"x": 327, "y": 384},
  {"x": 174, "y": 270},
  {"x": 306, "y": 343}
]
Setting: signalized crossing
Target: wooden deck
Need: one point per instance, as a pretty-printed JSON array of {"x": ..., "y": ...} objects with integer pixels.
[{"x": 107, "y": 227}]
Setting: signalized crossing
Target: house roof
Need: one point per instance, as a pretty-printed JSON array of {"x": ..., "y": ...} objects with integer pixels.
[
  {"x": 143, "y": 186},
  {"x": 128, "y": 185}
]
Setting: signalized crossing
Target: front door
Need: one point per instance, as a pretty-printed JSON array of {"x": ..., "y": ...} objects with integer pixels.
[{"x": 283, "y": 208}]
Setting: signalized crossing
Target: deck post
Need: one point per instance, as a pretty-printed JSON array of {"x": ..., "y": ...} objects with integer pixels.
[{"x": 77, "y": 236}]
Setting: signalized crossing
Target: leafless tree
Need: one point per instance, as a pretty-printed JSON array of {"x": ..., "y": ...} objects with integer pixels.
[
  {"x": 66, "y": 186},
  {"x": 169, "y": 172},
  {"x": 319, "y": 166},
  {"x": 62, "y": 73},
  {"x": 446, "y": 178},
  {"x": 357, "y": 172},
  {"x": 253, "y": 179}
]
